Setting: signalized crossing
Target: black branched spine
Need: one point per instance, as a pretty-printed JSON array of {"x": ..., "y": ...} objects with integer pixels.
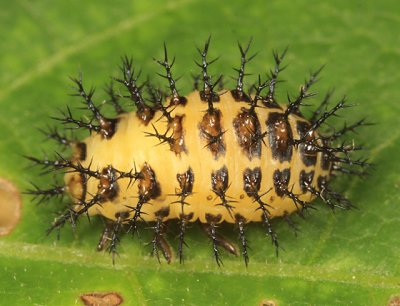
[
  {"x": 130, "y": 81},
  {"x": 207, "y": 94},
  {"x": 294, "y": 106},
  {"x": 238, "y": 93},
  {"x": 175, "y": 99}
]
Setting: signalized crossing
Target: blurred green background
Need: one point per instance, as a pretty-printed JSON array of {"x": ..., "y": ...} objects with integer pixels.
[{"x": 338, "y": 258}]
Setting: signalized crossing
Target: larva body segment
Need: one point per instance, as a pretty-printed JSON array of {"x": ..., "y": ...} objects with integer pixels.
[{"x": 209, "y": 157}]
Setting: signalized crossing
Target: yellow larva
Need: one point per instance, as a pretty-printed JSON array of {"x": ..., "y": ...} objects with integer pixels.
[
  {"x": 131, "y": 140},
  {"x": 209, "y": 157}
]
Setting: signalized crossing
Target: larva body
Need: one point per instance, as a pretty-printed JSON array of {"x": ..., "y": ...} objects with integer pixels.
[
  {"x": 208, "y": 157},
  {"x": 131, "y": 147}
]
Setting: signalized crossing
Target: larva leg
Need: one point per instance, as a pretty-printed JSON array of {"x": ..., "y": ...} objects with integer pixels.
[{"x": 210, "y": 229}]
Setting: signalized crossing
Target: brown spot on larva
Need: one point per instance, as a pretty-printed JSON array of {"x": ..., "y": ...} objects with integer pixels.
[
  {"x": 108, "y": 127},
  {"x": 108, "y": 186},
  {"x": 281, "y": 181},
  {"x": 79, "y": 153},
  {"x": 280, "y": 136},
  {"x": 241, "y": 196},
  {"x": 268, "y": 303},
  {"x": 162, "y": 213},
  {"x": 248, "y": 132},
  {"x": 102, "y": 299},
  {"x": 145, "y": 114},
  {"x": 308, "y": 154},
  {"x": 208, "y": 94},
  {"x": 271, "y": 199},
  {"x": 325, "y": 161},
  {"x": 148, "y": 186},
  {"x": 213, "y": 219},
  {"x": 186, "y": 181},
  {"x": 219, "y": 180},
  {"x": 209, "y": 198},
  {"x": 177, "y": 100},
  {"x": 240, "y": 96},
  {"x": 211, "y": 130},
  {"x": 177, "y": 143},
  {"x": 186, "y": 217},
  {"x": 123, "y": 215},
  {"x": 305, "y": 179},
  {"x": 77, "y": 186},
  {"x": 394, "y": 300},
  {"x": 252, "y": 180},
  {"x": 10, "y": 207}
]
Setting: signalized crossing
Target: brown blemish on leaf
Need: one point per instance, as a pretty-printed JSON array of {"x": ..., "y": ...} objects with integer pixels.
[
  {"x": 268, "y": 303},
  {"x": 102, "y": 299},
  {"x": 10, "y": 207},
  {"x": 394, "y": 300}
]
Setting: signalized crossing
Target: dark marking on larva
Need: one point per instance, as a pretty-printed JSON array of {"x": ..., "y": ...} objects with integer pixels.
[
  {"x": 280, "y": 136},
  {"x": 308, "y": 153},
  {"x": 185, "y": 189},
  {"x": 177, "y": 144},
  {"x": 80, "y": 151},
  {"x": 108, "y": 127},
  {"x": 247, "y": 128},
  {"x": 77, "y": 184},
  {"x": 162, "y": 212},
  {"x": 108, "y": 187},
  {"x": 306, "y": 179},
  {"x": 145, "y": 114},
  {"x": 123, "y": 215},
  {"x": 186, "y": 181},
  {"x": 219, "y": 185},
  {"x": 252, "y": 181},
  {"x": 325, "y": 160},
  {"x": 211, "y": 130},
  {"x": 219, "y": 180},
  {"x": 148, "y": 186},
  {"x": 177, "y": 100},
  {"x": 186, "y": 217},
  {"x": 281, "y": 181},
  {"x": 240, "y": 96},
  {"x": 213, "y": 219},
  {"x": 207, "y": 95}
]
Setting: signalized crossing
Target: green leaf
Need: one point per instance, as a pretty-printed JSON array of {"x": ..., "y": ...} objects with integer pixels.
[{"x": 337, "y": 259}]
